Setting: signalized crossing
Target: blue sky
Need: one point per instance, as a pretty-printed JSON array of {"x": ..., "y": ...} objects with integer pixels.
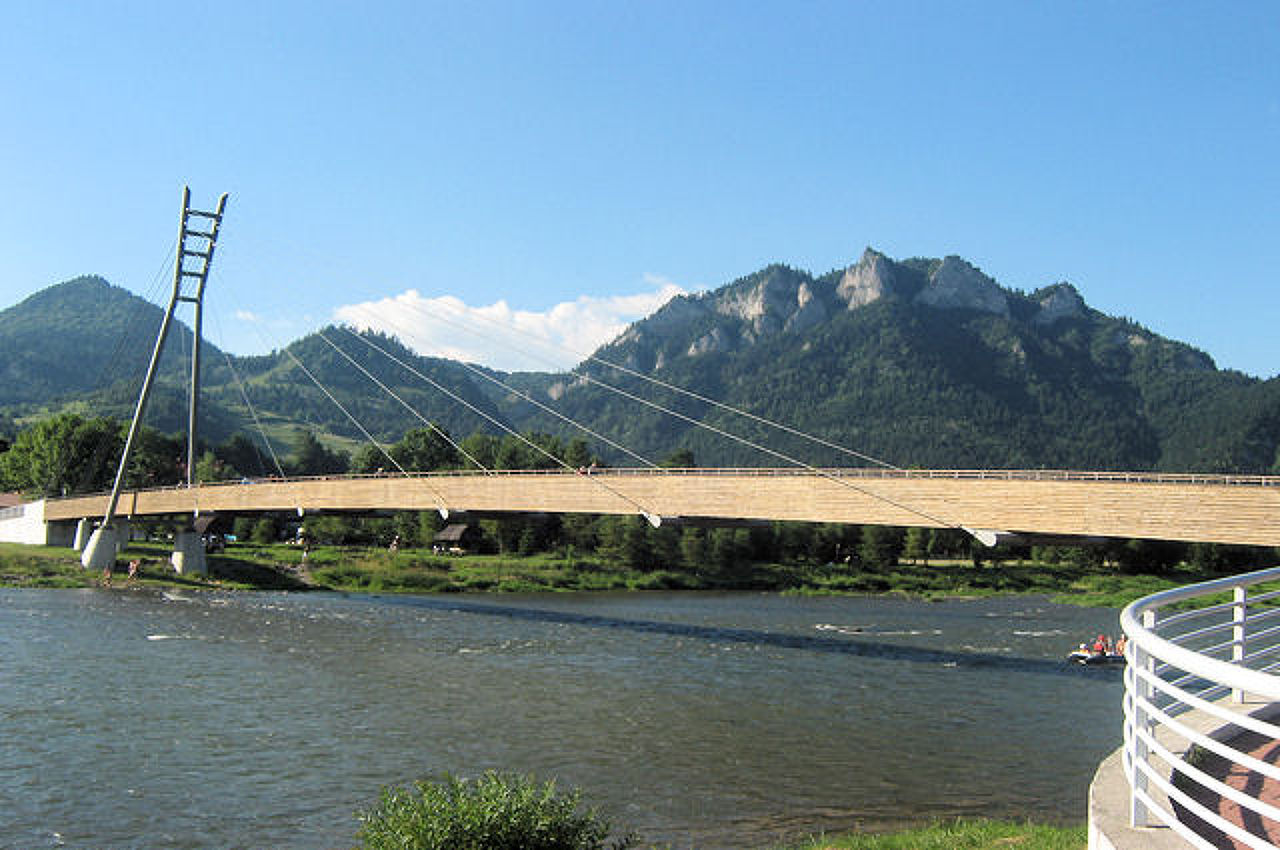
[{"x": 559, "y": 165}]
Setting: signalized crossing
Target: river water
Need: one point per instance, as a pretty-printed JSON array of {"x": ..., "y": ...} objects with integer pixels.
[{"x": 139, "y": 718}]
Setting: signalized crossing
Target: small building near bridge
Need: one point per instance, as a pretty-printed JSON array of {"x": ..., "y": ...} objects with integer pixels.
[{"x": 456, "y": 538}]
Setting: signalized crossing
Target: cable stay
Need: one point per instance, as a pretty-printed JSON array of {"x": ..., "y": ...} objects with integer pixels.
[
  {"x": 430, "y": 425},
  {"x": 244, "y": 394},
  {"x": 525, "y": 396},
  {"x": 442, "y": 507},
  {"x": 668, "y": 386},
  {"x": 822, "y": 473},
  {"x": 652, "y": 518},
  {"x": 839, "y": 480}
]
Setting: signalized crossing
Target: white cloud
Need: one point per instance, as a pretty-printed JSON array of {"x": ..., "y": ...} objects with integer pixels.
[
  {"x": 248, "y": 316},
  {"x": 497, "y": 336}
]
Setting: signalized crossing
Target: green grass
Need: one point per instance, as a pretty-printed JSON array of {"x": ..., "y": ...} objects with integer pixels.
[
  {"x": 960, "y": 835},
  {"x": 54, "y": 566},
  {"x": 1066, "y": 583},
  {"x": 281, "y": 566}
]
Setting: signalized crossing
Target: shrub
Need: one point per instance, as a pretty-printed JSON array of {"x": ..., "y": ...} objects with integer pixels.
[{"x": 495, "y": 812}]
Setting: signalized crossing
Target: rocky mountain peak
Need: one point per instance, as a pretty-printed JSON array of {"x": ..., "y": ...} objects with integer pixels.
[
  {"x": 866, "y": 281},
  {"x": 1060, "y": 301},
  {"x": 957, "y": 284},
  {"x": 765, "y": 304}
]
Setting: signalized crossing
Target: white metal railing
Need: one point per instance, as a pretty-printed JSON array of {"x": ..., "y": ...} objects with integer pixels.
[{"x": 1191, "y": 677}]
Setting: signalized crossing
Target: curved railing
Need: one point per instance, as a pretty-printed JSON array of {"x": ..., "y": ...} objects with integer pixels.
[{"x": 1198, "y": 681}]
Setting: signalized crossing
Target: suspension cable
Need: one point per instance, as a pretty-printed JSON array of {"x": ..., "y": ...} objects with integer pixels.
[
  {"x": 244, "y": 394},
  {"x": 443, "y": 507},
  {"x": 430, "y": 425},
  {"x": 658, "y": 382},
  {"x": 586, "y": 430},
  {"x": 653, "y": 518},
  {"x": 843, "y": 482}
]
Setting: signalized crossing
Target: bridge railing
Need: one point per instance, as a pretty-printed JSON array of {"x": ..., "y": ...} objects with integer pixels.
[
  {"x": 1192, "y": 675},
  {"x": 841, "y": 472}
]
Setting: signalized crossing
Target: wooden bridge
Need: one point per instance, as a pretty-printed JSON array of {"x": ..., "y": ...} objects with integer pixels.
[{"x": 1204, "y": 508}]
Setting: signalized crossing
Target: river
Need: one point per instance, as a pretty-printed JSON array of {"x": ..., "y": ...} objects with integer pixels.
[{"x": 177, "y": 719}]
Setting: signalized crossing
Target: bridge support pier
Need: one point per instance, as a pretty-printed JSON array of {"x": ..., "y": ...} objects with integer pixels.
[
  {"x": 101, "y": 550},
  {"x": 83, "y": 529},
  {"x": 188, "y": 553}
]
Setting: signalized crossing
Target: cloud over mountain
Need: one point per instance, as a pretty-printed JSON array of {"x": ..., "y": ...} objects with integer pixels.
[{"x": 501, "y": 337}]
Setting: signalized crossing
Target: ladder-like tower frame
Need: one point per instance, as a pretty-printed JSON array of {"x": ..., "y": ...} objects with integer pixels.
[{"x": 190, "y": 274}]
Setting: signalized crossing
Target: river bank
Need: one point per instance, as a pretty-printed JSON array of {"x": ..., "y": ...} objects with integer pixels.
[
  {"x": 251, "y": 566},
  {"x": 959, "y": 835}
]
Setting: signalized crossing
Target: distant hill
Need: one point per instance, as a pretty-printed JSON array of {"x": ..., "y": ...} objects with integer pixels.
[
  {"x": 71, "y": 338},
  {"x": 919, "y": 362},
  {"x": 85, "y": 344}
]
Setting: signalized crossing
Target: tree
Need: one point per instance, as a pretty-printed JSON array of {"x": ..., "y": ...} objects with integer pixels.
[
  {"x": 679, "y": 459},
  {"x": 578, "y": 454},
  {"x": 157, "y": 459},
  {"x": 210, "y": 468},
  {"x": 62, "y": 455},
  {"x": 425, "y": 449},
  {"x": 579, "y": 531},
  {"x": 879, "y": 547},
  {"x": 483, "y": 447},
  {"x": 243, "y": 455},
  {"x": 694, "y": 551},
  {"x": 1149, "y": 556},
  {"x": 264, "y": 530},
  {"x": 916, "y": 545},
  {"x": 310, "y": 457}
]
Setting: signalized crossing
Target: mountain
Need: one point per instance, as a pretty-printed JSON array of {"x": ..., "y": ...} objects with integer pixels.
[
  {"x": 76, "y": 337},
  {"x": 930, "y": 363},
  {"x": 916, "y": 362},
  {"x": 85, "y": 345}
]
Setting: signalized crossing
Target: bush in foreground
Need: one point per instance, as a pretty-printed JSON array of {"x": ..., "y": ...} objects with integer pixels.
[{"x": 495, "y": 812}]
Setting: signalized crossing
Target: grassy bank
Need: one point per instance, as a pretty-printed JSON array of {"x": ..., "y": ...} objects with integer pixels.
[
  {"x": 960, "y": 835},
  {"x": 284, "y": 567},
  {"x": 51, "y": 566},
  {"x": 377, "y": 570}
]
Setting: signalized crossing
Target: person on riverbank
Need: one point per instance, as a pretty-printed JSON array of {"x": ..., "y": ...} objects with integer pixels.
[
  {"x": 133, "y": 570},
  {"x": 106, "y": 575}
]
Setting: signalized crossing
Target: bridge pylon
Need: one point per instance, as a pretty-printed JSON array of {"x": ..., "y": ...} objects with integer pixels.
[{"x": 197, "y": 237}]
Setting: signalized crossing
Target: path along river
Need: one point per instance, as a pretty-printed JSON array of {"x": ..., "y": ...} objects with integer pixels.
[{"x": 132, "y": 718}]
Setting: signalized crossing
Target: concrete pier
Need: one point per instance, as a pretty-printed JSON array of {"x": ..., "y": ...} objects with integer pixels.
[
  {"x": 188, "y": 553},
  {"x": 84, "y": 528},
  {"x": 101, "y": 550}
]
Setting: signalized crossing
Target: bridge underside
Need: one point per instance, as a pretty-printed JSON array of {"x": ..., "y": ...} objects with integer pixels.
[{"x": 1184, "y": 508}]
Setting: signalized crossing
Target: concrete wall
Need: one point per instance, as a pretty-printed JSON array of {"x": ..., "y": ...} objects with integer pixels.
[{"x": 25, "y": 524}]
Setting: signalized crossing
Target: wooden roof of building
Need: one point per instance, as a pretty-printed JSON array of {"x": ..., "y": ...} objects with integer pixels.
[{"x": 451, "y": 533}]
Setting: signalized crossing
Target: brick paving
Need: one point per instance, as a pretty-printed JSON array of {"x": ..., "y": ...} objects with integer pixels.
[{"x": 1251, "y": 782}]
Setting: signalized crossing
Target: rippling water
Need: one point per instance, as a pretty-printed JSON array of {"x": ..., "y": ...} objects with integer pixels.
[{"x": 181, "y": 719}]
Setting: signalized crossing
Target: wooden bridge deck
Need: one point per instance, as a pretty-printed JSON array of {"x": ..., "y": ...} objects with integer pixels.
[{"x": 1225, "y": 509}]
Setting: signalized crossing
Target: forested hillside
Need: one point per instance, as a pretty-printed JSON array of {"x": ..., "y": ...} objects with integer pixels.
[
  {"x": 928, "y": 363},
  {"x": 919, "y": 362}
]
